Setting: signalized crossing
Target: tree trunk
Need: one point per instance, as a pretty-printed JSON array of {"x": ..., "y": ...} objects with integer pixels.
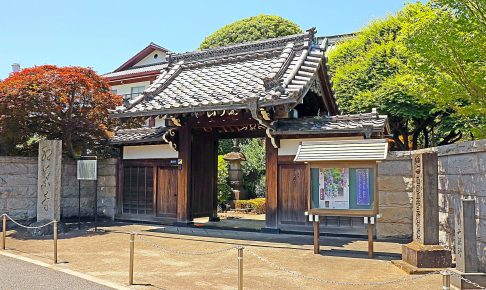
[
  {"x": 69, "y": 144},
  {"x": 426, "y": 138}
]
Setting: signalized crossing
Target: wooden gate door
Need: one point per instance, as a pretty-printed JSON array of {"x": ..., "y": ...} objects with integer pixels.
[
  {"x": 166, "y": 191},
  {"x": 292, "y": 194}
]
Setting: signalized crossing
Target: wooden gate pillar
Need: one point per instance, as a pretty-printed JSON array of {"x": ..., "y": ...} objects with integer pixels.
[
  {"x": 184, "y": 175},
  {"x": 271, "y": 175}
]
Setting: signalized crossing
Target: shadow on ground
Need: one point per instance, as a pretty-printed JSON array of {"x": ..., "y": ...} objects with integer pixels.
[
  {"x": 330, "y": 245},
  {"x": 71, "y": 230},
  {"x": 360, "y": 254}
]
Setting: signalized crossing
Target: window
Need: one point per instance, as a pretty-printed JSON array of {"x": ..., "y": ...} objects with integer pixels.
[
  {"x": 138, "y": 190},
  {"x": 114, "y": 91},
  {"x": 135, "y": 91}
]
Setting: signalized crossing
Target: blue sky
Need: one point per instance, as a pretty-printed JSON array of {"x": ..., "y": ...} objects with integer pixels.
[{"x": 104, "y": 33}]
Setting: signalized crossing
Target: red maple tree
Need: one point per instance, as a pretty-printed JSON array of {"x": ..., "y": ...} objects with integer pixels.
[{"x": 67, "y": 103}]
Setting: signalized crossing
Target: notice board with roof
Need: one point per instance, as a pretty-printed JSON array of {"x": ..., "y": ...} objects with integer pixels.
[{"x": 343, "y": 175}]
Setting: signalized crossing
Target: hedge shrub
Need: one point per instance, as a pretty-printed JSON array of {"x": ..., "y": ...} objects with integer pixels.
[{"x": 257, "y": 205}]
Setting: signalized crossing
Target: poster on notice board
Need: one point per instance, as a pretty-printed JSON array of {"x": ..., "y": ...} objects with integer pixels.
[{"x": 334, "y": 188}]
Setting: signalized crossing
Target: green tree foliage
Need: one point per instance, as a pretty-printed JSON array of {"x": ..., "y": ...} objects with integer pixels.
[
  {"x": 445, "y": 43},
  {"x": 374, "y": 70},
  {"x": 254, "y": 166},
  {"x": 224, "y": 189},
  {"x": 225, "y": 146},
  {"x": 251, "y": 29}
]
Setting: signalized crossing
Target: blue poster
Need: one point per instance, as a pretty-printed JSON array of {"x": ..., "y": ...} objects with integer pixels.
[{"x": 362, "y": 187}]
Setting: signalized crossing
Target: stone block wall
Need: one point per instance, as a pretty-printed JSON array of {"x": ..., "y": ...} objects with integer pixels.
[
  {"x": 395, "y": 196},
  {"x": 18, "y": 188},
  {"x": 106, "y": 190},
  {"x": 462, "y": 172}
]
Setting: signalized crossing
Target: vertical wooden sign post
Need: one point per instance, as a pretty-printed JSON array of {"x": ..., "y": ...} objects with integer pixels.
[
  {"x": 315, "y": 220},
  {"x": 371, "y": 232},
  {"x": 316, "y": 234},
  {"x": 87, "y": 169}
]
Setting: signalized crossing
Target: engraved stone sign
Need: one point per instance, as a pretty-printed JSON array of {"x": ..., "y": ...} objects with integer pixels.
[
  {"x": 467, "y": 261},
  {"x": 424, "y": 255},
  {"x": 465, "y": 237},
  {"x": 49, "y": 180},
  {"x": 425, "y": 199}
]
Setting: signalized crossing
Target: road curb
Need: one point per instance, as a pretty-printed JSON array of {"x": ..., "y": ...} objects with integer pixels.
[{"x": 66, "y": 271}]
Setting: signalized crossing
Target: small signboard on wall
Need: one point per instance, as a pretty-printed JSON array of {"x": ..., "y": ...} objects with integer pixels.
[{"x": 87, "y": 168}]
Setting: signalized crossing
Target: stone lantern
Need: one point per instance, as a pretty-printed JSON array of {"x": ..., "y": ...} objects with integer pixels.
[{"x": 235, "y": 172}]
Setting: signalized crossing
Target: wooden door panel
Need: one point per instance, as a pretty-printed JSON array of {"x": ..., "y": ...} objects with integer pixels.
[
  {"x": 204, "y": 173},
  {"x": 292, "y": 193},
  {"x": 166, "y": 192}
]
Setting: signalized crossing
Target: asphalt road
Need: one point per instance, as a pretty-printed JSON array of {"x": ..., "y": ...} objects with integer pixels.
[{"x": 18, "y": 274}]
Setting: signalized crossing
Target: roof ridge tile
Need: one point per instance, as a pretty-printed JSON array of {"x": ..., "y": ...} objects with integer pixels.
[{"x": 245, "y": 47}]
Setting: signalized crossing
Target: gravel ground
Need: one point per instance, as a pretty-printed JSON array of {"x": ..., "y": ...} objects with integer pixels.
[
  {"x": 17, "y": 274},
  {"x": 159, "y": 265}
]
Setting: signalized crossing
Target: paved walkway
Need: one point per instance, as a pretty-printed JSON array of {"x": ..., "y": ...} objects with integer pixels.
[{"x": 17, "y": 274}]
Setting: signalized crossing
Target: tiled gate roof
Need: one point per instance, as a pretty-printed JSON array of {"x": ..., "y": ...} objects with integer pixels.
[
  {"x": 138, "y": 135},
  {"x": 367, "y": 123},
  {"x": 273, "y": 72}
]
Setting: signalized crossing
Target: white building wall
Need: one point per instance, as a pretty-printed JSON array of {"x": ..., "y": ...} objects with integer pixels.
[
  {"x": 126, "y": 88},
  {"x": 149, "y": 152},
  {"x": 159, "y": 122},
  {"x": 149, "y": 59}
]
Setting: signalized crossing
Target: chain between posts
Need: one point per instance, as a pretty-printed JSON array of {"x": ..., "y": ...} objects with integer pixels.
[
  {"x": 27, "y": 227},
  {"x": 467, "y": 280},
  {"x": 4, "y": 232},
  {"x": 300, "y": 275},
  {"x": 163, "y": 249}
]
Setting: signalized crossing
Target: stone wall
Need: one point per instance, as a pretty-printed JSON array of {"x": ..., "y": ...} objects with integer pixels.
[
  {"x": 395, "y": 196},
  {"x": 18, "y": 188},
  {"x": 106, "y": 190},
  {"x": 462, "y": 172}
]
